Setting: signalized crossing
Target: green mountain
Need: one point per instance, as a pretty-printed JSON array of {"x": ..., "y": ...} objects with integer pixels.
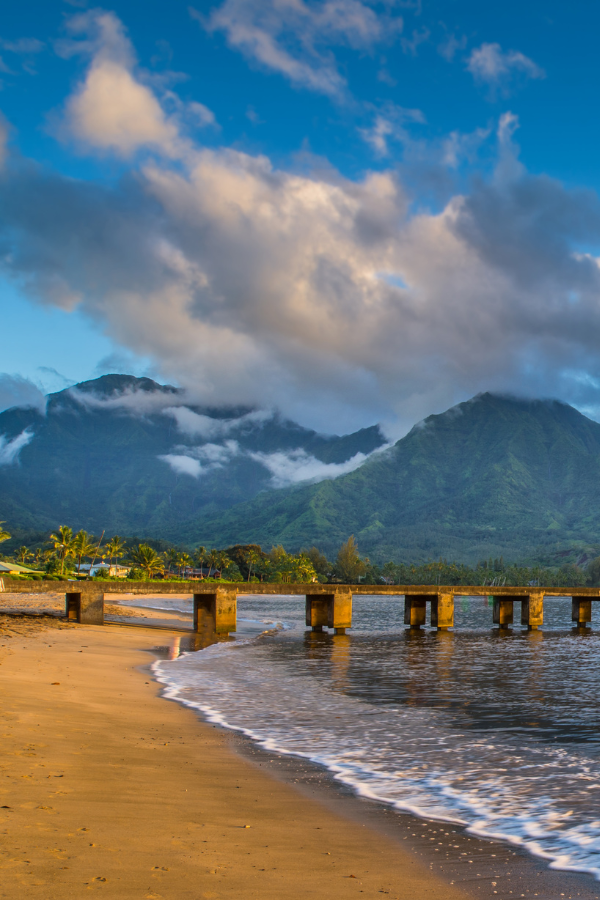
[
  {"x": 131, "y": 456},
  {"x": 492, "y": 476}
]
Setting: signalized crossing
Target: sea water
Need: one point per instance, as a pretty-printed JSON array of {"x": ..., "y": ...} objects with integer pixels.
[{"x": 497, "y": 731}]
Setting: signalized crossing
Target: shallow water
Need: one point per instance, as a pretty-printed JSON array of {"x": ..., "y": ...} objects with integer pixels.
[{"x": 500, "y": 732}]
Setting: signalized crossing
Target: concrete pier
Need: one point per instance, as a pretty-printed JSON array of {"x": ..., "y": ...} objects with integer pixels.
[
  {"x": 85, "y": 607},
  {"x": 581, "y": 611},
  {"x": 415, "y": 609},
  {"x": 442, "y": 611},
  {"x": 327, "y": 605},
  {"x": 532, "y": 610},
  {"x": 215, "y": 612},
  {"x": 330, "y": 610}
]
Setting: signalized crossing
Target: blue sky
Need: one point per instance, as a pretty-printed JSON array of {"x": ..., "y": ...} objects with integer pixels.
[{"x": 355, "y": 211}]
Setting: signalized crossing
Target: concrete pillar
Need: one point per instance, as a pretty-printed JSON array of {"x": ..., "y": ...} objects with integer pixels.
[
  {"x": 340, "y": 610},
  {"x": 85, "y": 607},
  {"x": 503, "y": 611},
  {"x": 532, "y": 610},
  {"x": 332, "y": 610},
  {"x": 581, "y": 610},
  {"x": 415, "y": 608},
  {"x": 215, "y": 612},
  {"x": 442, "y": 611}
]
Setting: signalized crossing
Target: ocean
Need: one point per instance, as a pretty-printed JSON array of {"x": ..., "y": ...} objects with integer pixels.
[{"x": 498, "y": 732}]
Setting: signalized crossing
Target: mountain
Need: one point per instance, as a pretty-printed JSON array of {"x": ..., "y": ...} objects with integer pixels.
[
  {"x": 132, "y": 456},
  {"x": 495, "y": 475}
]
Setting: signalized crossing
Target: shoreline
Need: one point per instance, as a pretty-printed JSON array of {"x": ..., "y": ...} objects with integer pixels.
[{"x": 150, "y": 806}]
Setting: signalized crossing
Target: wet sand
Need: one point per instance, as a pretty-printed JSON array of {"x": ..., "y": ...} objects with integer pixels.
[{"x": 106, "y": 787}]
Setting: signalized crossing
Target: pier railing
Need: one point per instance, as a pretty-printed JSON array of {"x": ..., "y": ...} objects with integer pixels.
[{"x": 327, "y": 605}]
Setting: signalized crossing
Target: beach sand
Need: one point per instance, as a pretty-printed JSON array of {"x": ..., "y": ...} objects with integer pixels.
[{"x": 105, "y": 787}]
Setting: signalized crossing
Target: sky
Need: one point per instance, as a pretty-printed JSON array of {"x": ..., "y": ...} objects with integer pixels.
[{"x": 353, "y": 211}]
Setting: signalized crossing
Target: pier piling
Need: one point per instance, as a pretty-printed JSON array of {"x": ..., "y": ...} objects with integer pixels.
[
  {"x": 331, "y": 610},
  {"x": 415, "y": 609},
  {"x": 85, "y": 607},
  {"x": 503, "y": 611},
  {"x": 442, "y": 611},
  {"x": 581, "y": 611},
  {"x": 215, "y": 612}
]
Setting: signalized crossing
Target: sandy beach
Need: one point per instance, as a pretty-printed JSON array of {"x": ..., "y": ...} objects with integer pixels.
[{"x": 107, "y": 787}]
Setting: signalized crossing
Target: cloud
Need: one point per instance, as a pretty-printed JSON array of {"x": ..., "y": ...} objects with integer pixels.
[
  {"x": 490, "y": 65},
  {"x": 194, "y": 424},
  {"x": 10, "y": 449},
  {"x": 20, "y": 392},
  {"x": 294, "y": 38},
  {"x": 298, "y": 466},
  {"x": 111, "y": 109},
  {"x": 23, "y": 46},
  {"x": 390, "y": 124},
  {"x": 249, "y": 284},
  {"x": 450, "y": 46},
  {"x": 198, "y": 461},
  {"x": 183, "y": 465}
]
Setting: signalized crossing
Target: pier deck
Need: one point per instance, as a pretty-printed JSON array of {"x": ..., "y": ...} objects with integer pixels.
[{"x": 327, "y": 605}]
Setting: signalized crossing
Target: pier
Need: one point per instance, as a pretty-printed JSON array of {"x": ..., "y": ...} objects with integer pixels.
[{"x": 328, "y": 606}]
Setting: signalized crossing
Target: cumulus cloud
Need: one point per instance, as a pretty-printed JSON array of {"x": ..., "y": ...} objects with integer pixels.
[
  {"x": 112, "y": 109},
  {"x": 10, "y": 449},
  {"x": 298, "y": 466},
  {"x": 490, "y": 65},
  {"x": 256, "y": 285},
  {"x": 20, "y": 392},
  {"x": 294, "y": 37}
]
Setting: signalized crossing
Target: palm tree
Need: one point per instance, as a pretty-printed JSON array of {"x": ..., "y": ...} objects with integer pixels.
[
  {"x": 115, "y": 548},
  {"x": 222, "y": 561},
  {"x": 82, "y": 545},
  {"x": 200, "y": 555},
  {"x": 63, "y": 542},
  {"x": 213, "y": 560},
  {"x": 253, "y": 559},
  {"x": 23, "y": 554},
  {"x": 147, "y": 559},
  {"x": 183, "y": 561},
  {"x": 4, "y": 535}
]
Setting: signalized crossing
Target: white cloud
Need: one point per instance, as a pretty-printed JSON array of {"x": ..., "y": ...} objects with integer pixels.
[
  {"x": 196, "y": 424},
  {"x": 249, "y": 284},
  {"x": 492, "y": 66},
  {"x": 196, "y": 461},
  {"x": 183, "y": 465},
  {"x": 111, "y": 109},
  {"x": 10, "y": 449},
  {"x": 297, "y": 466},
  {"x": 390, "y": 124},
  {"x": 20, "y": 392},
  {"x": 294, "y": 38},
  {"x": 450, "y": 46}
]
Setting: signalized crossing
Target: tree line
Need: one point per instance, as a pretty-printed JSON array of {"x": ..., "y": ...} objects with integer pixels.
[{"x": 64, "y": 552}]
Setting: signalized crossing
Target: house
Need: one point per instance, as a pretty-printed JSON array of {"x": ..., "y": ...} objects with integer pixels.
[
  {"x": 104, "y": 569},
  {"x": 11, "y": 568}
]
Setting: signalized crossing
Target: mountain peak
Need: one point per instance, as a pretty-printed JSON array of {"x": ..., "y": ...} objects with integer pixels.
[{"x": 111, "y": 385}]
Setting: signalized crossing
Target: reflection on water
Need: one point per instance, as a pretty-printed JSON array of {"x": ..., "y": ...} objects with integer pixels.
[{"x": 496, "y": 729}]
